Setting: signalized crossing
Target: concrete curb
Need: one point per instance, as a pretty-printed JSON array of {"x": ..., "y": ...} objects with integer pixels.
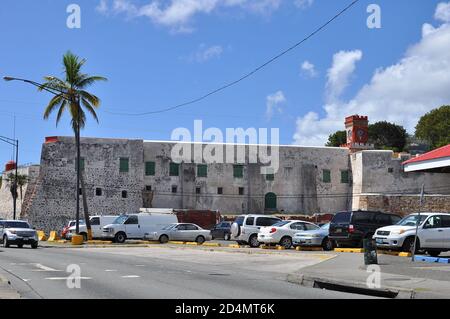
[
  {"x": 351, "y": 286},
  {"x": 6, "y": 290}
]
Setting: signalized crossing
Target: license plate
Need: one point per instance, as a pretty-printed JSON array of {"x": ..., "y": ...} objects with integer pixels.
[{"x": 338, "y": 230}]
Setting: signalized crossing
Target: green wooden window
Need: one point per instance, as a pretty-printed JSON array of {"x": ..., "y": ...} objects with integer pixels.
[
  {"x": 326, "y": 174},
  {"x": 81, "y": 164},
  {"x": 174, "y": 169},
  {"x": 202, "y": 170},
  {"x": 124, "y": 164},
  {"x": 238, "y": 171},
  {"x": 149, "y": 168},
  {"x": 270, "y": 177},
  {"x": 344, "y": 177}
]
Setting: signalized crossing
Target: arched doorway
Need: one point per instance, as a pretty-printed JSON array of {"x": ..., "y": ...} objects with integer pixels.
[{"x": 270, "y": 201}]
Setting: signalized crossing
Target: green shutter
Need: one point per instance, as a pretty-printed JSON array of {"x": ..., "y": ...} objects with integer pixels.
[
  {"x": 270, "y": 177},
  {"x": 326, "y": 176},
  {"x": 174, "y": 169},
  {"x": 344, "y": 177},
  {"x": 124, "y": 165},
  {"x": 202, "y": 170},
  {"x": 149, "y": 168},
  {"x": 81, "y": 164},
  {"x": 238, "y": 171}
]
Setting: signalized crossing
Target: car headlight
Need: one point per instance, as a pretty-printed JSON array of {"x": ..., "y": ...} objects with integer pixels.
[
  {"x": 398, "y": 232},
  {"x": 13, "y": 232}
]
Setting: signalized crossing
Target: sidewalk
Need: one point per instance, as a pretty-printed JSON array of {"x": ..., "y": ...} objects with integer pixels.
[
  {"x": 6, "y": 291},
  {"x": 400, "y": 278}
]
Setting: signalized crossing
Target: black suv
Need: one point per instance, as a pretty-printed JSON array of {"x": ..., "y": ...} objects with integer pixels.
[{"x": 350, "y": 228}]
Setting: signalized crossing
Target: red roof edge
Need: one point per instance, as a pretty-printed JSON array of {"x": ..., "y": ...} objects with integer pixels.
[{"x": 441, "y": 152}]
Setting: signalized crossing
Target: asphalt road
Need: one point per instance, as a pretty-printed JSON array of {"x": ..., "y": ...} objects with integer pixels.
[{"x": 158, "y": 272}]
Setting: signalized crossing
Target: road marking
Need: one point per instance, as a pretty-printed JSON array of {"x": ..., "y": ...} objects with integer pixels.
[
  {"x": 109, "y": 270},
  {"x": 140, "y": 265},
  {"x": 44, "y": 268},
  {"x": 131, "y": 276},
  {"x": 26, "y": 280},
  {"x": 71, "y": 278}
]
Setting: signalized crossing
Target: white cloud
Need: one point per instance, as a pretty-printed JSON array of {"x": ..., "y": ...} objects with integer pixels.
[
  {"x": 303, "y": 4},
  {"x": 400, "y": 93},
  {"x": 178, "y": 14},
  {"x": 309, "y": 69},
  {"x": 273, "y": 103},
  {"x": 443, "y": 12},
  {"x": 205, "y": 53}
]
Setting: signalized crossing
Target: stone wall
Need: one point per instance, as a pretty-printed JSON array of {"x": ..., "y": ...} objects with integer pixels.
[{"x": 405, "y": 204}]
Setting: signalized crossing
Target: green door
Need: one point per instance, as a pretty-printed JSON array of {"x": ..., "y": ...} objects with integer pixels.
[{"x": 270, "y": 201}]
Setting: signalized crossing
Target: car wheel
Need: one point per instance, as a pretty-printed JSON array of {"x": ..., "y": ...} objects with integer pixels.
[
  {"x": 253, "y": 241},
  {"x": 226, "y": 237},
  {"x": 434, "y": 253},
  {"x": 5, "y": 242},
  {"x": 286, "y": 242},
  {"x": 163, "y": 239},
  {"x": 409, "y": 244},
  {"x": 34, "y": 246},
  {"x": 200, "y": 240},
  {"x": 327, "y": 244},
  {"x": 235, "y": 230},
  {"x": 120, "y": 238},
  {"x": 20, "y": 245}
]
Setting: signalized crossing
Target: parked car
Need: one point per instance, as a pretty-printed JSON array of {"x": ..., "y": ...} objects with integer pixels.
[
  {"x": 222, "y": 230},
  {"x": 282, "y": 232},
  {"x": 97, "y": 223},
  {"x": 71, "y": 223},
  {"x": 136, "y": 226},
  {"x": 433, "y": 234},
  {"x": 182, "y": 232},
  {"x": 350, "y": 228},
  {"x": 315, "y": 238},
  {"x": 245, "y": 228},
  {"x": 17, "y": 232}
]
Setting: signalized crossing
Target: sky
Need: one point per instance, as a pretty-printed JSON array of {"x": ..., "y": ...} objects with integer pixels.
[{"x": 157, "y": 54}]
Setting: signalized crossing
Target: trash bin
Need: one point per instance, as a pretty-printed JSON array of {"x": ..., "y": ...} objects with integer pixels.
[{"x": 370, "y": 252}]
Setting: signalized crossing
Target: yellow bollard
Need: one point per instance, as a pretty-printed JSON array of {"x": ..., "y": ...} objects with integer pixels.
[
  {"x": 53, "y": 236},
  {"x": 41, "y": 235},
  {"x": 77, "y": 240}
]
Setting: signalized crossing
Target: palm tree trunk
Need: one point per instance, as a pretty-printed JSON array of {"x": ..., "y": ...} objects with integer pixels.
[{"x": 85, "y": 207}]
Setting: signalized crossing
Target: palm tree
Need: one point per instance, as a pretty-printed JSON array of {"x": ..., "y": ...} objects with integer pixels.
[
  {"x": 22, "y": 180},
  {"x": 74, "y": 98}
]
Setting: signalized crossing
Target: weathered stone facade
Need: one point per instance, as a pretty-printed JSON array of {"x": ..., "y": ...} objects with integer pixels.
[{"x": 124, "y": 175}]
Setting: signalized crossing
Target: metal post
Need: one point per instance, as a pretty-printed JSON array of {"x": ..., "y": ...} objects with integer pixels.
[
  {"x": 16, "y": 180},
  {"x": 78, "y": 171},
  {"x": 418, "y": 221}
]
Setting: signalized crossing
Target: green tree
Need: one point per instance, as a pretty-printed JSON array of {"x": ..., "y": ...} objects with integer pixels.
[
  {"x": 76, "y": 100},
  {"x": 434, "y": 127},
  {"x": 337, "y": 139},
  {"x": 385, "y": 135},
  {"x": 22, "y": 180}
]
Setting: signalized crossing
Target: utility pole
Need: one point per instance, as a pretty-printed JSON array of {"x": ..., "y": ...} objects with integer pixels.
[
  {"x": 422, "y": 193},
  {"x": 14, "y": 143}
]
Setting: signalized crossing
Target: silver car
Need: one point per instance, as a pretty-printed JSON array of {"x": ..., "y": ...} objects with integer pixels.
[
  {"x": 181, "y": 232},
  {"x": 17, "y": 232},
  {"x": 314, "y": 238}
]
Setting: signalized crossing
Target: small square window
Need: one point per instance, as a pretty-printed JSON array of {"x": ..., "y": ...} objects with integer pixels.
[
  {"x": 241, "y": 190},
  {"x": 148, "y": 188},
  {"x": 198, "y": 190},
  {"x": 174, "y": 169},
  {"x": 390, "y": 170},
  {"x": 174, "y": 189},
  {"x": 270, "y": 177},
  {"x": 202, "y": 170},
  {"x": 124, "y": 194},
  {"x": 326, "y": 176},
  {"x": 80, "y": 191},
  {"x": 98, "y": 192},
  {"x": 124, "y": 165},
  {"x": 344, "y": 177},
  {"x": 149, "y": 168},
  {"x": 238, "y": 171},
  {"x": 220, "y": 190}
]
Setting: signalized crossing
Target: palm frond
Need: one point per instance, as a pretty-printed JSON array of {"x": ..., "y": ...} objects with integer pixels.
[
  {"x": 94, "y": 100},
  {"x": 89, "y": 80},
  {"x": 90, "y": 109},
  {"x": 52, "y": 105},
  {"x": 61, "y": 111}
]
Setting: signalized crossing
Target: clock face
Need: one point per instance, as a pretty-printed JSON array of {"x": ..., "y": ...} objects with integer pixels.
[{"x": 361, "y": 134}]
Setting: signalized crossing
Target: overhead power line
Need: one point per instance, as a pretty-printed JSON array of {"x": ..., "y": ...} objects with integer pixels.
[{"x": 245, "y": 76}]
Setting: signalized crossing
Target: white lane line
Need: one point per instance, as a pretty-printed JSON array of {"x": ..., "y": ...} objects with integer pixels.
[
  {"x": 109, "y": 270},
  {"x": 131, "y": 276},
  {"x": 44, "y": 268},
  {"x": 71, "y": 278},
  {"x": 140, "y": 265},
  {"x": 26, "y": 280}
]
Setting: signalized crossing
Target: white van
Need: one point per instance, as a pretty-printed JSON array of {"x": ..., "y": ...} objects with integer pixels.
[
  {"x": 137, "y": 226},
  {"x": 97, "y": 223}
]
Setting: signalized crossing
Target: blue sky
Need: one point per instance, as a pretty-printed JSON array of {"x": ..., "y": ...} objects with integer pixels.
[{"x": 157, "y": 55}]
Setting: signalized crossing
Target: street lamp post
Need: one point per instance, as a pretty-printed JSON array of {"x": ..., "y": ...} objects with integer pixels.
[
  {"x": 55, "y": 91},
  {"x": 14, "y": 143}
]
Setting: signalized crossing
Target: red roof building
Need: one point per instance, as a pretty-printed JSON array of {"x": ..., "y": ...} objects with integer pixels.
[{"x": 437, "y": 160}]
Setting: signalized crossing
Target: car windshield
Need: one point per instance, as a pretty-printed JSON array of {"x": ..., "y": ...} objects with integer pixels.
[
  {"x": 239, "y": 220},
  {"x": 325, "y": 227},
  {"x": 16, "y": 225},
  {"x": 343, "y": 217},
  {"x": 72, "y": 223},
  {"x": 170, "y": 226},
  {"x": 411, "y": 220},
  {"x": 120, "y": 220},
  {"x": 281, "y": 224}
]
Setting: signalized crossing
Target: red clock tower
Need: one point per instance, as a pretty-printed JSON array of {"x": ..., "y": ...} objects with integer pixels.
[{"x": 357, "y": 130}]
